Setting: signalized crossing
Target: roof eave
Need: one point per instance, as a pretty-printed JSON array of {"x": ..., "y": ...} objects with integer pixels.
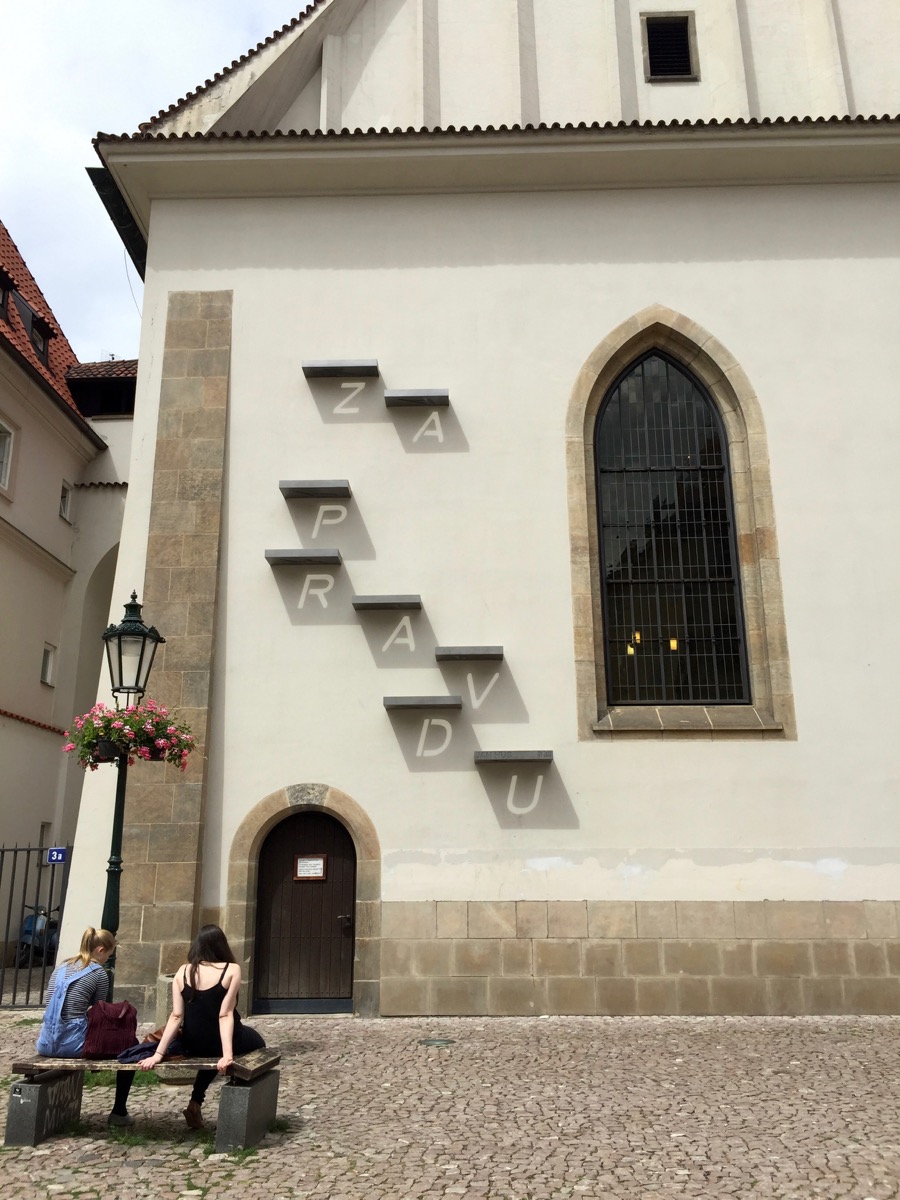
[{"x": 150, "y": 167}]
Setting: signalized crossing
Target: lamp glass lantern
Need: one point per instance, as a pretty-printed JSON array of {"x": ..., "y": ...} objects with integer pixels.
[{"x": 130, "y": 650}]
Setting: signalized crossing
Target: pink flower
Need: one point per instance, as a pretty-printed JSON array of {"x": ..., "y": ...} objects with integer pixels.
[{"x": 68, "y": 746}]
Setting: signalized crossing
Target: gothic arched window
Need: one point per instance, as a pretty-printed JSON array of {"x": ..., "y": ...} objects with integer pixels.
[{"x": 673, "y": 625}]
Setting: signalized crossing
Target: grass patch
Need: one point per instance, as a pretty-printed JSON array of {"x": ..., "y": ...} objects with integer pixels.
[
  {"x": 280, "y": 1125},
  {"x": 94, "y": 1079},
  {"x": 146, "y": 1079},
  {"x": 27, "y": 1021},
  {"x": 133, "y": 1137},
  {"x": 75, "y": 1129},
  {"x": 242, "y": 1156}
]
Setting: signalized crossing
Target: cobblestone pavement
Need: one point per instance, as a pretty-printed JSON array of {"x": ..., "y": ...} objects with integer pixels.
[{"x": 515, "y": 1109}]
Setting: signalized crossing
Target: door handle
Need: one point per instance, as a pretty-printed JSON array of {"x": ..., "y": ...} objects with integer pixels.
[{"x": 346, "y": 919}]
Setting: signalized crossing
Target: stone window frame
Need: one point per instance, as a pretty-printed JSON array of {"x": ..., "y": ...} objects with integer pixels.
[
  {"x": 771, "y": 712},
  {"x": 687, "y": 15},
  {"x": 8, "y": 467}
]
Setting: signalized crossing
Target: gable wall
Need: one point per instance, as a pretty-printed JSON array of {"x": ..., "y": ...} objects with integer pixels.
[{"x": 467, "y": 62}]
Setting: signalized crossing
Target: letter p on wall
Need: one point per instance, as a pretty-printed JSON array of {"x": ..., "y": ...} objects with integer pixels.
[{"x": 338, "y": 513}]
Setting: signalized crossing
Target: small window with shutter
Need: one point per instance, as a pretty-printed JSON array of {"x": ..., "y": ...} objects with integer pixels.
[{"x": 670, "y": 47}]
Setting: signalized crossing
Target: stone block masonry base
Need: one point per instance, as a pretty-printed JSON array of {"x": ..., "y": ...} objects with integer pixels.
[
  {"x": 41, "y": 1107},
  {"x": 622, "y": 958},
  {"x": 247, "y": 1112}
]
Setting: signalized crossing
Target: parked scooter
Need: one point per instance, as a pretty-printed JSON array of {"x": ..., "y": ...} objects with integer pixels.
[{"x": 38, "y": 938}]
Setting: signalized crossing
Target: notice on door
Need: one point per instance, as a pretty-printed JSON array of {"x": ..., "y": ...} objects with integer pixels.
[{"x": 309, "y": 866}]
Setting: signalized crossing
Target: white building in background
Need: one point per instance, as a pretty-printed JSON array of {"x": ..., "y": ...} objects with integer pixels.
[
  {"x": 514, "y": 486},
  {"x": 65, "y": 433}
]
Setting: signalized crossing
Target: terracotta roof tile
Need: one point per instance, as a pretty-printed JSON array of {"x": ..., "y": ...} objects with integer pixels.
[
  {"x": 115, "y": 368},
  {"x": 238, "y": 62},
  {"x": 146, "y": 134},
  {"x": 13, "y": 334}
]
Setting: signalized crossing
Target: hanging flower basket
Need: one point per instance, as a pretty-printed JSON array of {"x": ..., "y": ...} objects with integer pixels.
[
  {"x": 104, "y": 751},
  {"x": 143, "y": 731}
]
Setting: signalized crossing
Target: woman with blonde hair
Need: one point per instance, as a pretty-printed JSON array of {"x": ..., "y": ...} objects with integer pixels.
[{"x": 75, "y": 985}]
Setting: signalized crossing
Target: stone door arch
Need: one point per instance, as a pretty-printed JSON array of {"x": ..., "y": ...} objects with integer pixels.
[{"x": 241, "y": 911}]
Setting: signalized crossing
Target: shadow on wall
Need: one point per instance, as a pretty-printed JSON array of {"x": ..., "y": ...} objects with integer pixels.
[
  {"x": 660, "y": 225},
  {"x": 422, "y": 429}
]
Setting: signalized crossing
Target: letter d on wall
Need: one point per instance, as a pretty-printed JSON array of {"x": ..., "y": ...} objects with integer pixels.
[{"x": 427, "y": 724}]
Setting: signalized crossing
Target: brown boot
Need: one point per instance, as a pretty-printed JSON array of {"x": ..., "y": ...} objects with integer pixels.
[{"x": 194, "y": 1116}]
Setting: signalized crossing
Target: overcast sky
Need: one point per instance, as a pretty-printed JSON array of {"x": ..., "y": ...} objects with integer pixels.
[{"x": 72, "y": 68}]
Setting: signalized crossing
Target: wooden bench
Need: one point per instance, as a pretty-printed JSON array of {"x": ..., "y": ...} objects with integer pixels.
[{"x": 49, "y": 1097}]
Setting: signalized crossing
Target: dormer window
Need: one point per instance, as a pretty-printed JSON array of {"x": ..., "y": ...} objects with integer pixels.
[
  {"x": 6, "y": 287},
  {"x": 39, "y": 340},
  {"x": 38, "y": 329},
  {"x": 670, "y": 47}
]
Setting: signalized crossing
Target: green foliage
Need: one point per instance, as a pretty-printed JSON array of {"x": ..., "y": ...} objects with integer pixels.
[
  {"x": 27, "y": 1021},
  {"x": 93, "y": 1079},
  {"x": 146, "y": 731}
]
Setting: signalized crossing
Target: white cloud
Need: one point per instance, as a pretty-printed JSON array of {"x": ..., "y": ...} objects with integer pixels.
[{"x": 73, "y": 68}]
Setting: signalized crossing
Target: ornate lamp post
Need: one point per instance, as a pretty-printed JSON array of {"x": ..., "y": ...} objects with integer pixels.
[{"x": 130, "y": 649}]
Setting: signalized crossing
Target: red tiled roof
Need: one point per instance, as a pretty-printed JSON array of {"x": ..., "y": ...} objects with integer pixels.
[
  {"x": 238, "y": 62},
  {"x": 30, "y": 721},
  {"x": 14, "y": 336},
  {"x": 115, "y": 368}
]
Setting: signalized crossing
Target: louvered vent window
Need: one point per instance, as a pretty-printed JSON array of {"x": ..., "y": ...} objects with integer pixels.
[
  {"x": 672, "y": 614},
  {"x": 669, "y": 47}
]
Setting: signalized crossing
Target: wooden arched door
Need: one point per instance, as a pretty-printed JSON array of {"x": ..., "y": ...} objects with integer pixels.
[{"x": 304, "y": 917}]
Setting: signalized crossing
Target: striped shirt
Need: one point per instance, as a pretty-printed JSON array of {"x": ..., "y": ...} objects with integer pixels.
[{"x": 83, "y": 992}]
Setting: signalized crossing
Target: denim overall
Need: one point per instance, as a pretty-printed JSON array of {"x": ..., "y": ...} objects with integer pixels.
[{"x": 59, "y": 1038}]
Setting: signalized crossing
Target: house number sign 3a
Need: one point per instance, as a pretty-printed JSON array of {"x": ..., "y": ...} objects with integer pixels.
[{"x": 310, "y": 867}]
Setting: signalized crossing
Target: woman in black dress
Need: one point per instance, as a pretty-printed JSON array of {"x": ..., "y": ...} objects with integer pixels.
[{"x": 204, "y": 994}]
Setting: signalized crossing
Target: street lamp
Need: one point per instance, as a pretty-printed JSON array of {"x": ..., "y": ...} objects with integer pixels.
[{"x": 130, "y": 649}]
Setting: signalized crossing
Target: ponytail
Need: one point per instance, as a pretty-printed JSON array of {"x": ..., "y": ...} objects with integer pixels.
[{"x": 92, "y": 939}]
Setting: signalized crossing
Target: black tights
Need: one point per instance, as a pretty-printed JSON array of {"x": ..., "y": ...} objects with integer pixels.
[
  {"x": 124, "y": 1080},
  {"x": 201, "y": 1085}
]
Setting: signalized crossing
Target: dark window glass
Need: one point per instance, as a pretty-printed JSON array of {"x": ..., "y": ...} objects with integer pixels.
[
  {"x": 669, "y": 47},
  {"x": 673, "y": 625}
]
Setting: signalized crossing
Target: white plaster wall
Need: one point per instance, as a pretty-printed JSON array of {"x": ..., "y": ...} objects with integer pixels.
[
  {"x": 379, "y": 77},
  {"x": 492, "y": 62},
  {"x": 304, "y": 113},
  {"x": 479, "y": 63},
  {"x": 49, "y": 450},
  {"x": 41, "y": 601},
  {"x": 796, "y": 56},
  {"x": 501, "y": 299},
  {"x": 87, "y": 877},
  {"x": 31, "y": 763},
  {"x": 577, "y": 61},
  {"x": 871, "y": 34}
]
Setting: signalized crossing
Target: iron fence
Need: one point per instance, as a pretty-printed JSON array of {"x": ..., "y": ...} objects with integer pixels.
[{"x": 32, "y": 896}]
